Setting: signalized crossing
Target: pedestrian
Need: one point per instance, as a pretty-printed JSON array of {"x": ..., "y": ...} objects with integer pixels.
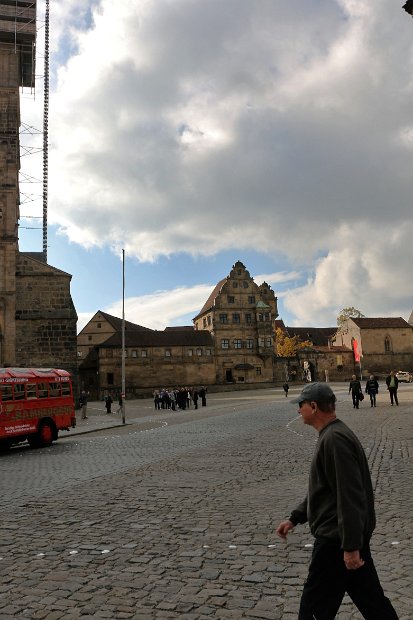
[
  {"x": 120, "y": 404},
  {"x": 157, "y": 400},
  {"x": 195, "y": 398},
  {"x": 202, "y": 395},
  {"x": 108, "y": 403},
  {"x": 392, "y": 383},
  {"x": 372, "y": 389},
  {"x": 83, "y": 404},
  {"x": 355, "y": 389},
  {"x": 286, "y": 387},
  {"x": 339, "y": 508}
]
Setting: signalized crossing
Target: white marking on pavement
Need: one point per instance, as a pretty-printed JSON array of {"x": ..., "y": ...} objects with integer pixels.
[
  {"x": 106, "y": 551},
  {"x": 73, "y": 552},
  {"x": 395, "y": 542}
]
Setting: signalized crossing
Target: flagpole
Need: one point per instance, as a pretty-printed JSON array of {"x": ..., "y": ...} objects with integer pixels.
[{"x": 123, "y": 394}]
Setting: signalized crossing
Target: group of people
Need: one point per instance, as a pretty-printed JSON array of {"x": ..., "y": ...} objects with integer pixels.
[
  {"x": 179, "y": 398},
  {"x": 372, "y": 389}
]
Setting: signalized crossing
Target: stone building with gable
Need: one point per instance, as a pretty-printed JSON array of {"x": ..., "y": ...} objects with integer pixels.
[
  {"x": 174, "y": 357},
  {"x": 385, "y": 343},
  {"x": 239, "y": 314}
]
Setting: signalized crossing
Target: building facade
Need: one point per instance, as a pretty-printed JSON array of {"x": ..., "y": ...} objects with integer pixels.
[
  {"x": 384, "y": 343},
  {"x": 240, "y": 315}
]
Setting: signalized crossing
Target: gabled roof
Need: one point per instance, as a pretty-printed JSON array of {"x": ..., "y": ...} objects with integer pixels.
[
  {"x": 166, "y": 338},
  {"x": 116, "y": 323},
  {"x": 318, "y": 336},
  {"x": 211, "y": 299},
  {"x": 381, "y": 322}
]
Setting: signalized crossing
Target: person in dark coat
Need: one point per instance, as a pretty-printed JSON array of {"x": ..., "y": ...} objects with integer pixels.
[
  {"x": 195, "y": 398},
  {"x": 355, "y": 389},
  {"x": 108, "y": 403},
  {"x": 339, "y": 508},
  {"x": 286, "y": 387},
  {"x": 202, "y": 395},
  {"x": 372, "y": 389}
]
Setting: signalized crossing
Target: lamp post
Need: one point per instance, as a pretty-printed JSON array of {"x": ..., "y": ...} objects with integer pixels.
[{"x": 123, "y": 395}]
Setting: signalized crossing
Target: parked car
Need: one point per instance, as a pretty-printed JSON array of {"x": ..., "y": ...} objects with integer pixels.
[{"x": 403, "y": 376}]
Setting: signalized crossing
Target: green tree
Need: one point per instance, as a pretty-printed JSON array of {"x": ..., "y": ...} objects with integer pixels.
[
  {"x": 348, "y": 313},
  {"x": 288, "y": 347}
]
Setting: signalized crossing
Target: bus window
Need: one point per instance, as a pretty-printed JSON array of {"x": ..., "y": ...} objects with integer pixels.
[
  {"x": 31, "y": 390},
  {"x": 19, "y": 391},
  {"x": 54, "y": 389},
  {"x": 65, "y": 388},
  {"x": 42, "y": 390},
  {"x": 6, "y": 393}
]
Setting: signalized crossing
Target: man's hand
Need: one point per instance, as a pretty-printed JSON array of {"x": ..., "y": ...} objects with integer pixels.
[
  {"x": 352, "y": 560},
  {"x": 283, "y": 529}
]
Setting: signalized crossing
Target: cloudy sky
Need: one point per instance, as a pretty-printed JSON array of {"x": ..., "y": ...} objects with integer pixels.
[{"x": 195, "y": 133}]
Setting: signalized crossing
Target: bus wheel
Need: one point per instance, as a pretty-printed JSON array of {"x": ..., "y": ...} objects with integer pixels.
[
  {"x": 43, "y": 438},
  {"x": 4, "y": 446}
]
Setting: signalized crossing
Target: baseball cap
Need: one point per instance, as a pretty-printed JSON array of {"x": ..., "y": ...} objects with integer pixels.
[{"x": 319, "y": 392}]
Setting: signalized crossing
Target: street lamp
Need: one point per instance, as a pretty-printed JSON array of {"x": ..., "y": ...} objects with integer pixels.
[{"x": 123, "y": 338}]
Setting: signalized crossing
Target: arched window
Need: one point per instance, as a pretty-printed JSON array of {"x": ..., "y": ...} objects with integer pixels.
[{"x": 387, "y": 344}]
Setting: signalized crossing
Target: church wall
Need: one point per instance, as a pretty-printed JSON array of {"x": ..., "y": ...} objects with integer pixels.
[{"x": 45, "y": 317}]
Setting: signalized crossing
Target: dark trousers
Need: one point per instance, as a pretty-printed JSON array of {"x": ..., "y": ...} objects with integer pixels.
[
  {"x": 393, "y": 395},
  {"x": 355, "y": 397},
  {"x": 328, "y": 580}
]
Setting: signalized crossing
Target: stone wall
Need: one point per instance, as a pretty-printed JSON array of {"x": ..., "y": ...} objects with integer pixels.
[{"x": 45, "y": 317}]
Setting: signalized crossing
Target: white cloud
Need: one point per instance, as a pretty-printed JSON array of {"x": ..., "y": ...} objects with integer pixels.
[{"x": 203, "y": 126}]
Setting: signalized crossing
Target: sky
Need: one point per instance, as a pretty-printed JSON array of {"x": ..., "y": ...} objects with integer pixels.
[{"x": 196, "y": 133}]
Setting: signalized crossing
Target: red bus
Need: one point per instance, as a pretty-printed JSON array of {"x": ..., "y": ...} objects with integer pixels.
[{"x": 35, "y": 404}]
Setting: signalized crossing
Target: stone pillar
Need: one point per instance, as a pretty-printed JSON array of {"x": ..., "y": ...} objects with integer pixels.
[{"x": 9, "y": 198}]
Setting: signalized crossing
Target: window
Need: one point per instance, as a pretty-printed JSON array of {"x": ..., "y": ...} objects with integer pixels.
[
  {"x": 208, "y": 352},
  {"x": 204, "y": 321},
  {"x": 190, "y": 352},
  {"x": 261, "y": 342},
  {"x": 223, "y": 318},
  {"x": 236, "y": 318},
  {"x": 209, "y": 319},
  {"x": 237, "y": 344},
  {"x": 65, "y": 389},
  {"x": 89, "y": 338},
  {"x": 19, "y": 391},
  {"x": 168, "y": 353},
  {"x": 250, "y": 343},
  {"x": 144, "y": 353},
  {"x": 260, "y": 316},
  {"x": 134, "y": 353},
  {"x": 42, "y": 390},
  {"x": 6, "y": 392},
  {"x": 258, "y": 370},
  {"x": 99, "y": 325},
  {"x": 109, "y": 378},
  {"x": 231, "y": 299},
  {"x": 267, "y": 316},
  {"x": 54, "y": 389},
  {"x": 387, "y": 344},
  {"x": 199, "y": 352},
  {"x": 248, "y": 318},
  {"x": 224, "y": 343},
  {"x": 251, "y": 299},
  {"x": 245, "y": 283},
  {"x": 31, "y": 390},
  {"x": 269, "y": 341},
  {"x": 235, "y": 284}
]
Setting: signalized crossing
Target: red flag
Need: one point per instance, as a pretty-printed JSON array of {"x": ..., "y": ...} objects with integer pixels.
[{"x": 356, "y": 351}]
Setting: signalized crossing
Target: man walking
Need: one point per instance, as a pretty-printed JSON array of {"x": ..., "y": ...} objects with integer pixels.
[
  {"x": 339, "y": 508},
  {"x": 83, "y": 405},
  {"x": 392, "y": 383}
]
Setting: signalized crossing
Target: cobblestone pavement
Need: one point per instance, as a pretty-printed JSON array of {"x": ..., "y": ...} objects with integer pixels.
[{"x": 173, "y": 515}]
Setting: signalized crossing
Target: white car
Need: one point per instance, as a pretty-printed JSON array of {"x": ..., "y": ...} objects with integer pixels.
[{"x": 404, "y": 377}]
